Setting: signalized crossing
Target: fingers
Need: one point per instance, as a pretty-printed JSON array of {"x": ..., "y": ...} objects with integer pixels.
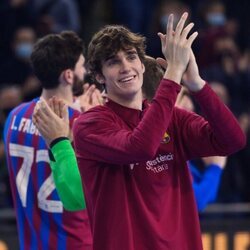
[
  {"x": 191, "y": 39},
  {"x": 97, "y": 98},
  {"x": 40, "y": 125},
  {"x": 55, "y": 106},
  {"x": 90, "y": 90},
  {"x": 163, "y": 39},
  {"x": 170, "y": 24},
  {"x": 43, "y": 110},
  {"x": 64, "y": 111},
  {"x": 40, "y": 119},
  {"x": 180, "y": 32},
  {"x": 85, "y": 98},
  {"x": 186, "y": 31},
  {"x": 85, "y": 87},
  {"x": 180, "y": 25},
  {"x": 49, "y": 124}
]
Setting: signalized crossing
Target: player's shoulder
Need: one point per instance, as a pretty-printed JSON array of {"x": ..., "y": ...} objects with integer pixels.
[{"x": 25, "y": 106}]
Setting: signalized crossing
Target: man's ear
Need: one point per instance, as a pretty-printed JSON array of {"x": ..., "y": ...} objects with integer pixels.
[
  {"x": 67, "y": 76},
  {"x": 143, "y": 68},
  {"x": 100, "y": 78}
]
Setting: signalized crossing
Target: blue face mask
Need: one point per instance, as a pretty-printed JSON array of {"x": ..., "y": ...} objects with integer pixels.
[
  {"x": 216, "y": 19},
  {"x": 24, "y": 50}
]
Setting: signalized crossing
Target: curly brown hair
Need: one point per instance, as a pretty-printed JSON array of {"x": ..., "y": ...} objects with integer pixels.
[
  {"x": 108, "y": 41},
  {"x": 53, "y": 54}
]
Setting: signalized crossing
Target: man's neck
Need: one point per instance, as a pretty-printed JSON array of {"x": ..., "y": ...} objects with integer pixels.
[
  {"x": 134, "y": 102},
  {"x": 65, "y": 94}
]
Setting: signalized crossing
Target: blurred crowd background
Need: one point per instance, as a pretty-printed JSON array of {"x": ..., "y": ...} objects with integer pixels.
[{"x": 222, "y": 50}]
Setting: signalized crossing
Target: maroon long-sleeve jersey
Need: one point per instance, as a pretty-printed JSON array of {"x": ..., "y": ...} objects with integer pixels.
[{"x": 133, "y": 164}]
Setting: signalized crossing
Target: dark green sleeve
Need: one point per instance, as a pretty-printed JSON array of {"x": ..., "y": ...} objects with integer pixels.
[{"x": 66, "y": 175}]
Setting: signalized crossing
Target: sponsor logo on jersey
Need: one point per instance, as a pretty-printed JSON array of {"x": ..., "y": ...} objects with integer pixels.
[{"x": 166, "y": 138}]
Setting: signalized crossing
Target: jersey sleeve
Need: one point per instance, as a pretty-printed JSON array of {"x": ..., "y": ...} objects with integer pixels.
[
  {"x": 66, "y": 176},
  {"x": 206, "y": 185},
  {"x": 217, "y": 133}
]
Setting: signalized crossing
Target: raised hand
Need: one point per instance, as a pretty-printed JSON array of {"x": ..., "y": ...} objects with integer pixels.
[
  {"x": 176, "y": 47},
  {"x": 52, "y": 122},
  {"x": 90, "y": 98},
  {"x": 191, "y": 78}
]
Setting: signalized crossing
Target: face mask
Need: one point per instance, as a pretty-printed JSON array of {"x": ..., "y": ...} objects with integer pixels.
[
  {"x": 216, "y": 19},
  {"x": 23, "y": 50}
]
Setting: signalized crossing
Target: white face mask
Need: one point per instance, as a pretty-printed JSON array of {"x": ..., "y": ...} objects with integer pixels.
[
  {"x": 24, "y": 50},
  {"x": 216, "y": 19}
]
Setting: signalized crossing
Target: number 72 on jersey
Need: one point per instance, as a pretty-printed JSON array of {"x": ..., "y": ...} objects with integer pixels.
[{"x": 30, "y": 156}]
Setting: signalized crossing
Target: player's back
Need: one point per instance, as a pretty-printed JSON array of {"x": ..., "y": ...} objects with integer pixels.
[{"x": 42, "y": 221}]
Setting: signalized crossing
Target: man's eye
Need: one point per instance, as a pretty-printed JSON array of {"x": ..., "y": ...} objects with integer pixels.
[
  {"x": 132, "y": 57},
  {"x": 112, "y": 62}
]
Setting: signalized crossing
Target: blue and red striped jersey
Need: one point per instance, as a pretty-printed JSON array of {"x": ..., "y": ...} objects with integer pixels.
[{"x": 41, "y": 219}]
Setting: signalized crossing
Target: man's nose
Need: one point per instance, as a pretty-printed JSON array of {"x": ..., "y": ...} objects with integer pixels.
[{"x": 125, "y": 66}]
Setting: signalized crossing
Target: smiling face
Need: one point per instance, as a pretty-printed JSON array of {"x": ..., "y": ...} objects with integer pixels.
[{"x": 122, "y": 75}]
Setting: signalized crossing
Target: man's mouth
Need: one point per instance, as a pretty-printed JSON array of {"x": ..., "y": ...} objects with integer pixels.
[{"x": 127, "y": 79}]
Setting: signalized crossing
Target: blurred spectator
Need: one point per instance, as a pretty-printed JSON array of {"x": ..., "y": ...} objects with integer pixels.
[
  {"x": 13, "y": 15},
  {"x": 159, "y": 21},
  {"x": 136, "y": 15},
  {"x": 217, "y": 34},
  {"x": 221, "y": 92},
  {"x": 94, "y": 14},
  {"x": 244, "y": 74},
  {"x": 235, "y": 179},
  {"x": 16, "y": 68},
  {"x": 234, "y": 186},
  {"x": 240, "y": 10},
  {"x": 225, "y": 69},
  {"x": 55, "y": 16},
  {"x": 31, "y": 88},
  {"x": 10, "y": 97}
]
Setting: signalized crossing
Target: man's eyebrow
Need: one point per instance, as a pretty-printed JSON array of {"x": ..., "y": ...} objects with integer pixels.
[
  {"x": 127, "y": 51},
  {"x": 131, "y": 51},
  {"x": 109, "y": 57}
]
